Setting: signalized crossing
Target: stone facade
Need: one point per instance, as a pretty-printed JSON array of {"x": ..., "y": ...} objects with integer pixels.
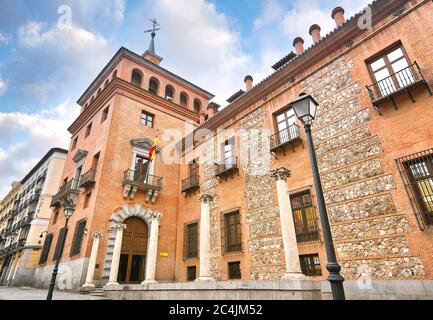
[{"x": 357, "y": 188}]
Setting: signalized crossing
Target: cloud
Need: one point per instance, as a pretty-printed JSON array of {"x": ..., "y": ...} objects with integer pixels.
[
  {"x": 272, "y": 11},
  {"x": 304, "y": 13},
  {"x": 111, "y": 10},
  {"x": 3, "y": 39},
  {"x": 29, "y": 136},
  {"x": 207, "y": 48},
  {"x": 62, "y": 54},
  {"x": 3, "y": 86}
]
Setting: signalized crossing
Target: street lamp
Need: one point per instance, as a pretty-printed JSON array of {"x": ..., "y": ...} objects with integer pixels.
[
  {"x": 305, "y": 108},
  {"x": 68, "y": 212}
]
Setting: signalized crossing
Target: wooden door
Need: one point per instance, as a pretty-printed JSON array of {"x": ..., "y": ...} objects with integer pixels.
[{"x": 133, "y": 253}]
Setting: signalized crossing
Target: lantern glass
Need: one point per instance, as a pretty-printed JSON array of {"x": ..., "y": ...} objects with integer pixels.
[
  {"x": 69, "y": 211},
  {"x": 305, "y": 108}
]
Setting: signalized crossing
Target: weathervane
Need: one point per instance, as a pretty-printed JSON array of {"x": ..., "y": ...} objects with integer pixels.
[{"x": 153, "y": 34}]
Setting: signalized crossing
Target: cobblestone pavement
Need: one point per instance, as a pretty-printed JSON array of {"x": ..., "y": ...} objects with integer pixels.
[{"x": 26, "y": 293}]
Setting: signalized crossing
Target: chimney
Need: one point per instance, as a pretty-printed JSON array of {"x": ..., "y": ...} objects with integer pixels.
[
  {"x": 315, "y": 33},
  {"x": 338, "y": 16},
  {"x": 248, "y": 83},
  {"x": 298, "y": 43},
  {"x": 212, "y": 109}
]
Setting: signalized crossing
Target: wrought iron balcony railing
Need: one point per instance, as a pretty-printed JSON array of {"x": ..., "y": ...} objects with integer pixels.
[
  {"x": 307, "y": 236},
  {"x": 396, "y": 84},
  {"x": 191, "y": 183},
  {"x": 142, "y": 181},
  {"x": 88, "y": 179},
  {"x": 66, "y": 189},
  {"x": 134, "y": 181},
  {"x": 227, "y": 167},
  {"x": 285, "y": 137}
]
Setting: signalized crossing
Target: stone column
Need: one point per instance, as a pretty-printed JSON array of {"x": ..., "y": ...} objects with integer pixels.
[
  {"x": 116, "y": 255},
  {"x": 152, "y": 255},
  {"x": 293, "y": 266},
  {"x": 205, "y": 238},
  {"x": 92, "y": 261}
]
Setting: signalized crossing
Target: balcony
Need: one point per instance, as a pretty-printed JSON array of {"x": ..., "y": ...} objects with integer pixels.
[
  {"x": 191, "y": 184},
  {"x": 88, "y": 179},
  {"x": 227, "y": 168},
  {"x": 134, "y": 181},
  {"x": 68, "y": 189},
  {"x": 286, "y": 137},
  {"x": 401, "y": 82}
]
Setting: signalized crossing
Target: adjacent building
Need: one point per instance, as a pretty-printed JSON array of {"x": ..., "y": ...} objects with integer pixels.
[
  {"x": 28, "y": 219},
  {"x": 139, "y": 221}
]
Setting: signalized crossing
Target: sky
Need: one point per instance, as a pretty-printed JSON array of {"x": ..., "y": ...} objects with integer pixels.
[{"x": 44, "y": 68}]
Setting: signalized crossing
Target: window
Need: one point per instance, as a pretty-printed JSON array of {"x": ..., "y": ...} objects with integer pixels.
[
  {"x": 286, "y": 126},
  {"x": 191, "y": 240},
  {"x": 234, "y": 270},
  {"x": 74, "y": 143},
  {"x": 88, "y": 130},
  {"x": 147, "y": 119},
  {"x": 46, "y": 248},
  {"x": 197, "y": 106},
  {"x": 191, "y": 273},
  {"x": 304, "y": 216},
  {"x": 136, "y": 77},
  {"x": 62, "y": 234},
  {"x": 232, "y": 232},
  {"x": 417, "y": 174},
  {"x": 310, "y": 265},
  {"x": 86, "y": 200},
  {"x": 105, "y": 114},
  {"x": 391, "y": 71},
  {"x": 153, "y": 86},
  {"x": 141, "y": 168},
  {"x": 169, "y": 93},
  {"x": 228, "y": 153},
  {"x": 78, "y": 238},
  {"x": 184, "y": 100}
]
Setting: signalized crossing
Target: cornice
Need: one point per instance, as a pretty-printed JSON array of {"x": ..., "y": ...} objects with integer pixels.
[{"x": 119, "y": 86}]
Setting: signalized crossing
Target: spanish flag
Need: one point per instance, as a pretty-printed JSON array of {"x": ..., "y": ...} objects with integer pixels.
[{"x": 152, "y": 150}]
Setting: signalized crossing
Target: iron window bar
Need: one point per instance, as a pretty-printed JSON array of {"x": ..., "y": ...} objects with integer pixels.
[
  {"x": 396, "y": 84},
  {"x": 416, "y": 172}
]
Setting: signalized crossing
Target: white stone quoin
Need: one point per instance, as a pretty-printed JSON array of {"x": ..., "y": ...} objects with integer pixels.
[
  {"x": 116, "y": 255},
  {"x": 92, "y": 261},
  {"x": 205, "y": 238},
  {"x": 152, "y": 255},
  {"x": 291, "y": 254}
]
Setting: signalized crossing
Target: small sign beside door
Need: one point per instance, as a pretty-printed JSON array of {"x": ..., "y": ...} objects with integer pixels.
[{"x": 163, "y": 254}]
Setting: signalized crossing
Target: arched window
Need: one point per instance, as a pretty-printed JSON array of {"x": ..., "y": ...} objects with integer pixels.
[
  {"x": 153, "y": 86},
  {"x": 169, "y": 93},
  {"x": 114, "y": 76},
  {"x": 184, "y": 100},
  {"x": 197, "y": 106},
  {"x": 136, "y": 77},
  {"x": 106, "y": 83}
]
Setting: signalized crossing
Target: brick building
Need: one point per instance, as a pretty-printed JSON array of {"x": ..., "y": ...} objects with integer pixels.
[{"x": 137, "y": 221}]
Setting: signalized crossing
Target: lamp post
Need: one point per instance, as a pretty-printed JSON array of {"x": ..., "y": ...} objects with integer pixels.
[
  {"x": 305, "y": 108},
  {"x": 68, "y": 212}
]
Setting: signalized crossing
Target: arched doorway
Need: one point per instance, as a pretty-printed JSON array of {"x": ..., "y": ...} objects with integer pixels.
[{"x": 133, "y": 254}]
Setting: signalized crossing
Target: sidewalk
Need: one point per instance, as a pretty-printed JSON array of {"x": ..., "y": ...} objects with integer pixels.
[{"x": 26, "y": 293}]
